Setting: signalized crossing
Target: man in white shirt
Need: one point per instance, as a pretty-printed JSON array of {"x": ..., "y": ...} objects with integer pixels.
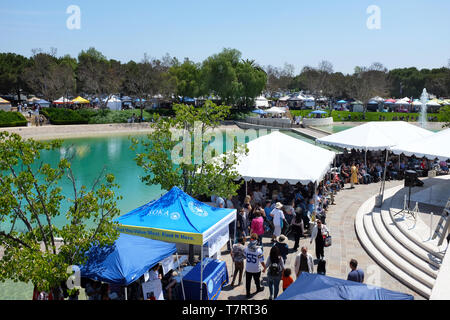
[
  {"x": 255, "y": 259},
  {"x": 303, "y": 262},
  {"x": 278, "y": 217}
]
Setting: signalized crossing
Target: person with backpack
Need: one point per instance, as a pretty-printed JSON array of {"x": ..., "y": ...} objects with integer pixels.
[{"x": 275, "y": 267}]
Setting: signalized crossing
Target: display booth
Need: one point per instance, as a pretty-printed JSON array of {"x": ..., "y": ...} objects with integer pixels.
[
  {"x": 215, "y": 276},
  {"x": 179, "y": 218},
  {"x": 126, "y": 260}
]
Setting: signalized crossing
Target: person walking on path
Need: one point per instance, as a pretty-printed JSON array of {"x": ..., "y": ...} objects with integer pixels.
[
  {"x": 319, "y": 233},
  {"x": 258, "y": 226},
  {"x": 275, "y": 267},
  {"x": 356, "y": 274},
  {"x": 297, "y": 227},
  {"x": 255, "y": 259},
  {"x": 277, "y": 218},
  {"x": 303, "y": 262},
  {"x": 238, "y": 257},
  {"x": 354, "y": 175},
  {"x": 283, "y": 247},
  {"x": 286, "y": 279}
]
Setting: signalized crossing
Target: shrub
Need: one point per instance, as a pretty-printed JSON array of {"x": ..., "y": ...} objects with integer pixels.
[
  {"x": 12, "y": 119},
  {"x": 61, "y": 116}
]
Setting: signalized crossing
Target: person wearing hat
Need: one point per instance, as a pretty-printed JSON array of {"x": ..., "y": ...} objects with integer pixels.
[
  {"x": 254, "y": 256},
  {"x": 284, "y": 248},
  {"x": 277, "y": 219}
]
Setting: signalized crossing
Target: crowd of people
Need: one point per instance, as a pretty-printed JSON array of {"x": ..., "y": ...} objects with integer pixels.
[{"x": 276, "y": 212}]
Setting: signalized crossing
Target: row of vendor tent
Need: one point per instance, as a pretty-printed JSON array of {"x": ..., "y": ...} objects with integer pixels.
[
  {"x": 397, "y": 136},
  {"x": 5, "y": 105}
]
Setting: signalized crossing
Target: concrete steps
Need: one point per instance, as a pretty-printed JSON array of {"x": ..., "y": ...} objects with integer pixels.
[{"x": 397, "y": 254}]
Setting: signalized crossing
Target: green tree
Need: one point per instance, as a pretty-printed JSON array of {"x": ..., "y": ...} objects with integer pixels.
[
  {"x": 98, "y": 76},
  {"x": 191, "y": 171},
  {"x": 31, "y": 201},
  {"x": 12, "y": 67},
  {"x": 187, "y": 78}
]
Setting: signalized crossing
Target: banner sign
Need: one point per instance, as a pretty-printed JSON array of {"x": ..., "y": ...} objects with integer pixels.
[{"x": 162, "y": 235}]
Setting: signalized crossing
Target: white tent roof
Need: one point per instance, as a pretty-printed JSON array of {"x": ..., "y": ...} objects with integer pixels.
[
  {"x": 285, "y": 98},
  {"x": 433, "y": 104},
  {"x": 279, "y": 157},
  {"x": 433, "y": 146},
  {"x": 276, "y": 110},
  {"x": 62, "y": 100},
  {"x": 376, "y": 135},
  {"x": 402, "y": 101},
  {"x": 417, "y": 103},
  {"x": 261, "y": 102}
]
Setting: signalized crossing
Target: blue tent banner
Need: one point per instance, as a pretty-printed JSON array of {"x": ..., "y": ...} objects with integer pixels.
[
  {"x": 126, "y": 260},
  {"x": 215, "y": 276},
  {"x": 176, "y": 217},
  {"x": 318, "y": 287}
]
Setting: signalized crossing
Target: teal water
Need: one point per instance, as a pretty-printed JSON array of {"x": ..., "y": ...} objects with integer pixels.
[{"x": 113, "y": 153}]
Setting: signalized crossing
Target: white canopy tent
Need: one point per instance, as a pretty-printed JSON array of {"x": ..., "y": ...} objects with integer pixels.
[
  {"x": 285, "y": 98},
  {"x": 376, "y": 135},
  {"x": 276, "y": 110},
  {"x": 436, "y": 145},
  {"x": 114, "y": 103},
  {"x": 282, "y": 158},
  {"x": 261, "y": 102}
]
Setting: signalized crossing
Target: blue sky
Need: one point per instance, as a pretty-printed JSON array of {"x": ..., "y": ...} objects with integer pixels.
[{"x": 413, "y": 33}]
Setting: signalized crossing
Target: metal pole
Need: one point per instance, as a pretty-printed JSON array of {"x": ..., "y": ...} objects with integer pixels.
[
  {"x": 384, "y": 175},
  {"x": 201, "y": 272},
  {"x": 245, "y": 187},
  {"x": 431, "y": 225},
  {"x": 181, "y": 277},
  {"x": 126, "y": 293}
]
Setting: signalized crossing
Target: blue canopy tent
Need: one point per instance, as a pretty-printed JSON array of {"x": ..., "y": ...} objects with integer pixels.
[
  {"x": 318, "y": 287},
  {"x": 126, "y": 260},
  {"x": 187, "y": 99},
  {"x": 259, "y": 111},
  {"x": 319, "y": 112},
  {"x": 177, "y": 217},
  {"x": 342, "y": 101}
]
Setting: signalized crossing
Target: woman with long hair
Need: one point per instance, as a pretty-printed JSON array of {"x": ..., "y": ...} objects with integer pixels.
[{"x": 275, "y": 267}]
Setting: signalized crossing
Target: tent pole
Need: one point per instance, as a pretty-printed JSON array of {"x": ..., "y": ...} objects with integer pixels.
[
  {"x": 384, "y": 174},
  {"x": 245, "y": 187},
  {"x": 201, "y": 272},
  {"x": 126, "y": 293},
  {"x": 181, "y": 277},
  {"x": 365, "y": 158}
]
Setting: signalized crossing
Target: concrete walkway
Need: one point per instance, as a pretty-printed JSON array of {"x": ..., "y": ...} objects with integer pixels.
[{"x": 340, "y": 221}]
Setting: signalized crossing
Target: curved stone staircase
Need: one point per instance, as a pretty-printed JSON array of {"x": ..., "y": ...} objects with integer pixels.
[{"x": 388, "y": 239}]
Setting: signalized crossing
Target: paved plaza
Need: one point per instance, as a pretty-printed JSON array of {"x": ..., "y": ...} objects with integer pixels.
[{"x": 340, "y": 221}]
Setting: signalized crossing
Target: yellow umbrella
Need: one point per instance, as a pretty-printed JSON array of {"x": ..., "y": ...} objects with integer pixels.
[
  {"x": 79, "y": 100},
  {"x": 4, "y": 101}
]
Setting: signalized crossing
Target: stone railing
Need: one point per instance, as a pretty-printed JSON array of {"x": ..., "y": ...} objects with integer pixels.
[
  {"x": 270, "y": 122},
  {"x": 317, "y": 121}
]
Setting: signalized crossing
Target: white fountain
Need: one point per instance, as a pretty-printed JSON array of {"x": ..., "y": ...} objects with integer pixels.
[{"x": 423, "y": 108}]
